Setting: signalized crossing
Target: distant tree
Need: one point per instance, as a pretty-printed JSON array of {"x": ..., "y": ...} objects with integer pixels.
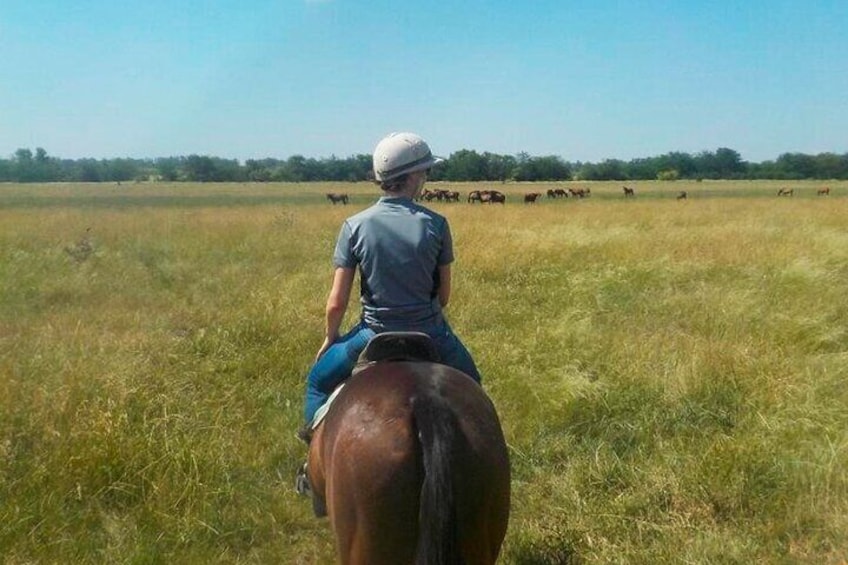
[
  {"x": 830, "y": 166},
  {"x": 89, "y": 170},
  {"x": 167, "y": 168},
  {"x": 764, "y": 170},
  {"x": 258, "y": 171},
  {"x": 300, "y": 169},
  {"x": 499, "y": 167},
  {"x": 683, "y": 163},
  {"x": 796, "y": 166},
  {"x": 199, "y": 168},
  {"x": 228, "y": 170},
  {"x": 643, "y": 169},
  {"x": 549, "y": 168},
  {"x": 465, "y": 165},
  {"x": 724, "y": 163},
  {"x": 44, "y": 168},
  {"x": 609, "y": 169},
  {"x": 362, "y": 168},
  {"x": 119, "y": 170},
  {"x": 24, "y": 166},
  {"x": 23, "y": 155},
  {"x": 729, "y": 163}
]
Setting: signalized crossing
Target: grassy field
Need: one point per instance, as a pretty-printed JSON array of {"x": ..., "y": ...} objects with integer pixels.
[{"x": 670, "y": 375}]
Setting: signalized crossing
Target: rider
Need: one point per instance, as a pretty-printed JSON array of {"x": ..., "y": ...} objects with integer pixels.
[{"x": 403, "y": 252}]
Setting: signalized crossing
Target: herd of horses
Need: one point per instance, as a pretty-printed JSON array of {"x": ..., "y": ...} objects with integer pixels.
[
  {"x": 497, "y": 197},
  {"x": 482, "y": 196}
]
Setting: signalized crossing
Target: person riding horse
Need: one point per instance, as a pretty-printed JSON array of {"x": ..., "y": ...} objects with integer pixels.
[{"x": 403, "y": 252}]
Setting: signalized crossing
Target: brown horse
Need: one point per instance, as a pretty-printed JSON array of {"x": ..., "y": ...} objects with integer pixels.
[
  {"x": 496, "y": 197},
  {"x": 332, "y": 197},
  {"x": 411, "y": 466},
  {"x": 824, "y": 191}
]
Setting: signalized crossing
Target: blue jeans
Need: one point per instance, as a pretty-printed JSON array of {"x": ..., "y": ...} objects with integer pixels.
[{"x": 336, "y": 364}]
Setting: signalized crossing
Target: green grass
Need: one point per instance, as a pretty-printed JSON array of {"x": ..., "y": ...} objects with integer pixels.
[{"x": 670, "y": 375}]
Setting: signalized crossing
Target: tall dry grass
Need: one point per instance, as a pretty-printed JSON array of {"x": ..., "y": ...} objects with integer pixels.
[{"x": 670, "y": 374}]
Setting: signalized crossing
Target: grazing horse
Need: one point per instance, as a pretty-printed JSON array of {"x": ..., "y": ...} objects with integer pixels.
[
  {"x": 628, "y": 191},
  {"x": 496, "y": 197},
  {"x": 824, "y": 191},
  {"x": 681, "y": 195},
  {"x": 785, "y": 192},
  {"x": 531, "y": 197},
  {"x": 332, "y": 197},
  {"x": 411, "y": 466},
  {"x": 474, "y": 196}
]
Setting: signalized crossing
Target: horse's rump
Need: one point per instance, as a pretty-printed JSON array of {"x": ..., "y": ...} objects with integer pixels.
[{"x": 411, "y": 456}]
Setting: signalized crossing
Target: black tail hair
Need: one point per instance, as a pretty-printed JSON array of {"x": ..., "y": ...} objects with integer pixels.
[{"x": 438, "y": 542}]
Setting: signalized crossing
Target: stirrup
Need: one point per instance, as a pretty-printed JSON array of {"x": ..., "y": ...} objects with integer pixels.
[
  {"x": 301, "y": 482},
  {"x": 304, "y": 488}
]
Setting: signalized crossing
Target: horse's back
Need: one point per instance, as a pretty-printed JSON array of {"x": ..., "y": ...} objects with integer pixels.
[{"x": 374, "y": 466}]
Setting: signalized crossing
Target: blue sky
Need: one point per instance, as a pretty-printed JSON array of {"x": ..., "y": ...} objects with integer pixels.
[{"x": 585, "y": 81}]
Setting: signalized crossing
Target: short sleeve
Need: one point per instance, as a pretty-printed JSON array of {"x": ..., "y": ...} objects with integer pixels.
[
  {"x": 446, "y": 253},
  {"x": 343, "y": 254}
]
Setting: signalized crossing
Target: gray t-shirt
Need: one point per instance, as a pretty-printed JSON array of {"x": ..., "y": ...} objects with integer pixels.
[{"x": 398, "y": 246}]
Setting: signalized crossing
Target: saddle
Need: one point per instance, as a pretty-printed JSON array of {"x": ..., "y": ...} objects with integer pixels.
[{"x": 397, "y": 346}]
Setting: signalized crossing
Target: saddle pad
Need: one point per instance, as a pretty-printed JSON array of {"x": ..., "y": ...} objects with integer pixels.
[{"x": 322, "y": 411}]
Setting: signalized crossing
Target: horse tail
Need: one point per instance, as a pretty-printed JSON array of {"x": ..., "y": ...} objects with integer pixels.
[{"x": 437, "y": 435}]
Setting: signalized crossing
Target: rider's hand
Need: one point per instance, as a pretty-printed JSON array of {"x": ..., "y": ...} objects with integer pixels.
[{"x": 328, "y": 341}]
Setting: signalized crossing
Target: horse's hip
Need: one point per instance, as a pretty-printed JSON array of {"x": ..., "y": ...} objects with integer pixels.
[{"x": 372, "y": 453}]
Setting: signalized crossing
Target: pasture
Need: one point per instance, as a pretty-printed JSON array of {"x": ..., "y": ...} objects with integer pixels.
[{"x": 670, "y": 374}]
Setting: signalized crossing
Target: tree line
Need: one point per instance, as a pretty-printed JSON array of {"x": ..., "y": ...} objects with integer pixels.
[{"x": 464, "y": 165}]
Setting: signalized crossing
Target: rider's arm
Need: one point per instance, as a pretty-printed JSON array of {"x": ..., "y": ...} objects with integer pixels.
[
  {"x": 337, "y": 305},
  {"x": 444, "y": 284}
]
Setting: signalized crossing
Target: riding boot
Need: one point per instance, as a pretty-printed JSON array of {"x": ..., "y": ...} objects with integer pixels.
[{"x": 304, "y": 434}]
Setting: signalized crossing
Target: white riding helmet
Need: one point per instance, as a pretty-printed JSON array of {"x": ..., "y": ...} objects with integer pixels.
[{"x": 401, "y": 153}]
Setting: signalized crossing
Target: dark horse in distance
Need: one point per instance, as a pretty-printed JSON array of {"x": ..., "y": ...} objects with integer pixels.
[
  {"x": 411, "y": 466},
  {"x": 333, "y": 197}
]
